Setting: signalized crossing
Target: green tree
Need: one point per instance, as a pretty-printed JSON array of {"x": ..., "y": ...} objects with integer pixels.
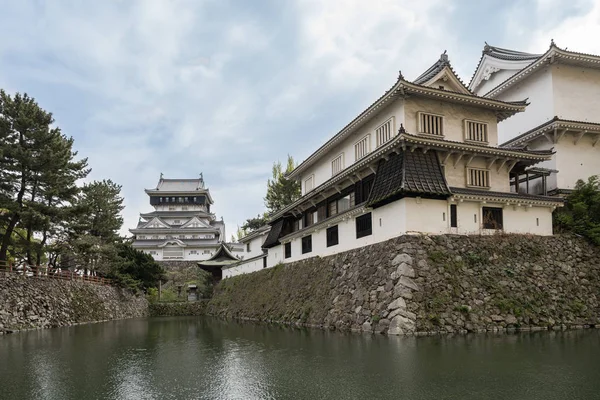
[
  {"x": 281, "y": 191},
  {"x": 92, "y": 241},
  {"x": 100, "y": 207},
  {"x": 135, "y": 269},
  {"x": 253, "y": 224},
  {"x": 38, "y": 173},
  {"x": 581, "y": 213}
]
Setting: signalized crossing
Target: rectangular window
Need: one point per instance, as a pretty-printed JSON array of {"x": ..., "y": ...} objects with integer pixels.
[
  {"x": 309, "y": 218},
  {"x": 384, "y": 132},
  {"x": 332, "y": 208},
  {"x": 309, "y": 184},
  {"x": 306, "y": 244},
  {"x": 361, "y": 148},
  {"x": 363, "y": 226},
  {"x": 332, "y": 236},
  {"x": 337, "y": 164},
  {"x": 176, "y": 221},
  {"x": 453, "y": 216},
  {"x": 193, "y": 252},
  {"x": 477, "y": 177},
  {"x": 287, "y": 249},
  {"x": 476, "y": 131},
  {"x": 171, "y": 208},
  {"x": 492, "y": 218},
  {"x": 345, "y": 203},
  {"x": 248, "y": 247},
  {"x": 431, "y": 124},
  {"x": 184, "y": 208}
]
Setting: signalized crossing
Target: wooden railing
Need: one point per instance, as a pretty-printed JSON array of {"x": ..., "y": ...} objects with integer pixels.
[{"x": 46, "y": 272}]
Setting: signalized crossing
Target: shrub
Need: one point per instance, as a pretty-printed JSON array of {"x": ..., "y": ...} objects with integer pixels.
[{"x": 581, "y": 213}]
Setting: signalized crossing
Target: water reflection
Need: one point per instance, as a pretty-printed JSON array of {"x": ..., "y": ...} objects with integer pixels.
[{"x": 199, "y": 358}]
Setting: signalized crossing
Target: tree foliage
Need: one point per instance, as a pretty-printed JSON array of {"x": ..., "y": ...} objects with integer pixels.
[
  {"x": 281, "y": 191},
  {"x": 46, "y": 216},
  {"x": 581, "y": 213},
  {"x": 38, "y": 174}
]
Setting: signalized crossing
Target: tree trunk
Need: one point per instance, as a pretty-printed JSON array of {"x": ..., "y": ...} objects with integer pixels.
[{"x": 30, "y": 226}]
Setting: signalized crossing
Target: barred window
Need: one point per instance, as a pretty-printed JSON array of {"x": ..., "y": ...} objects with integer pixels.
[
  {"x": 363, "y": 226},
  {"x": 306, "y": 244},
  {"x": 431, "y": 124},
  {"x": 332, "y": 236},
  {"x": 287, "y": 250},
  {"x": 384, "y": 132},
  {"x": 337, "y": 164},
  {"x": 477, "y": 177},
  {"x": 361, "y": 148},
  {"x": 476, "y": 131}
]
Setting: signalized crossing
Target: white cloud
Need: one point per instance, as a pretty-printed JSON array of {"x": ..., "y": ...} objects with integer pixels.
[{"x": 579, "y": 32}]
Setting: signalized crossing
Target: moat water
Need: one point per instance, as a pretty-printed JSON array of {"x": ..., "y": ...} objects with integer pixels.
[{"x": 203, "y": 358}]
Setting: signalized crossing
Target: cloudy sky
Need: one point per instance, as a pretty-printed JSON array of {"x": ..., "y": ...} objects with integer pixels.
[{"x": 228, "y": 87}]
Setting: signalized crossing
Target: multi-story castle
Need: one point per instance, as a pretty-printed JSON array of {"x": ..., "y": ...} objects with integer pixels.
[{"x": 181, "y": 227}]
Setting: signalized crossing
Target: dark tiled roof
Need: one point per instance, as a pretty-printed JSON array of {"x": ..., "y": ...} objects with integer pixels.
[
  {"x": 272, "y": 239},
  {"x": 554, "y": 51},
  {"x": 439, "y": 65},
  {"x": 408, "y": 172},
  {"x": 506, "y": 195},
  {"x": 508, "y": 143},
  {"x": 485, "y": 147},
  {"x": 507, "y": 54},
  {"x": 170, "y": 214},
  {"x": 503, "y": 54}
]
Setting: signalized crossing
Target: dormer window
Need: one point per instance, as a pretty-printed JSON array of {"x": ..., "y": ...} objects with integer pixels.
[
  {"x": 431, "y": 124},
  {"x": 476, "y": 131},
  {"x": 384, "y": 132}
]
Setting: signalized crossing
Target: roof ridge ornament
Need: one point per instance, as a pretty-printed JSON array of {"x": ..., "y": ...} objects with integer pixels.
[
  {"x": 552, "y": 44},
  {"x": 444, "y": 56},
  {"x": 486, "y": 48},
  {"x": 401, "y": 130},
  {"x": 400, "y": 76}
]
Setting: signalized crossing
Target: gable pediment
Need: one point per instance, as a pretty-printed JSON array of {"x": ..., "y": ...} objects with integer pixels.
[
  {"x": 446, "y": 79},
  {"x": 195, "y": 223},
  {"x": 155, "y": 223}
]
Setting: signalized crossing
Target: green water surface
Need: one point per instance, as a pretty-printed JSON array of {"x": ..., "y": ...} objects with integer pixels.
[{"x": 203, "y": 358}]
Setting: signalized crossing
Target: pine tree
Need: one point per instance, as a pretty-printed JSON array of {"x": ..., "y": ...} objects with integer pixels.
[
  {"x": 38, "y": 172},
  {"x": 281, "y": 191}
]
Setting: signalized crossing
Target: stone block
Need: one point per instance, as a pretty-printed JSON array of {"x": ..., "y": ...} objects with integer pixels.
[
  {"x": 398, "y": 303},
  {"x": 402, "y": 258}
]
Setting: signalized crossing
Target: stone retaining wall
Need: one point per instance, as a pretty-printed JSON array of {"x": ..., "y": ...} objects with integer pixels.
[
  {"x": 428, "y": 285},
  {"x": 178, "y": 309},
  {"x": 31, "y": 303}
]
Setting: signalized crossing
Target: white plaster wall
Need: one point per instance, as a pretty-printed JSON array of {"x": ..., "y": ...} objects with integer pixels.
[
  {"x": 538, "y": 89},
  {"x": 468, "y": 216},
  {"x": 496, "y": 79},
  {"x": 576, "y": 93},
  {"x": 412, "y": 215},
  {"x": 255, "y": 246},
  {"x": 243, "y": 268},
  {"x": 454, "y": 116},
  {"x": 186, "y": 254},
  {"x": 427, "y": 216},
  {"x": 530, "y": 220},
  {"x": 322, "y": 168},
  {"x": 576, "y": 161},
  {"x": 456, "y": 175}
]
